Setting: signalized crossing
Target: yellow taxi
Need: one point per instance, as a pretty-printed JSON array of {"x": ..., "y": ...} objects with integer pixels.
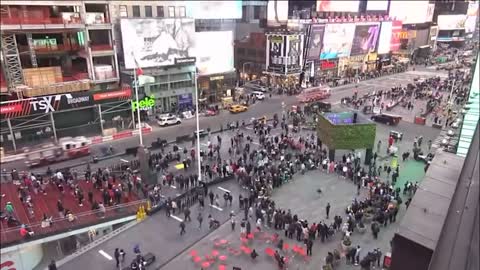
[{"x": 236, "y": 108}]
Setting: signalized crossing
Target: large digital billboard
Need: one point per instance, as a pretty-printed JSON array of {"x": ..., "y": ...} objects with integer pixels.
[
  {"x": 471, "y": 21},
  {"x": 377, "y": 4},
  {"x": 385, "y": 38},
  {"x": 365, "y": 38},
  {"x": 451, "y": 22},
  {"x": 410, "y": 12},
  {"x": 156, "y": 42},
  {"x": 335, "y": 5},
  {"x": 214, "y": 52},
  {"x": 316, "y": 40},
  {"x": 214, "y": 9},
  {"x": 277, "y": 12},
  {"x": 396, "y": 32},
  {"x": 337, "y": 41}
]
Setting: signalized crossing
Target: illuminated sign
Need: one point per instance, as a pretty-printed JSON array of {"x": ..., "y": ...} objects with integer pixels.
[
  {"x": 144, "y": 104},
  {"x": 328, "y": 64}
]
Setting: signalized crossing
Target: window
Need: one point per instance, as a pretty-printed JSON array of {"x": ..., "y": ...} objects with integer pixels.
[
  {"x": 171, "y": 12},
  {"x": 181, "y": 12},
  {"x": 136, "y": 11},
  {"x": 123, "y": 11},
  {"x": 256, "y": 12},
  {"x": 240, "y": 51},
  {"x": 244, "y": 13},
  {"x": 160, "y": 12},
  {"x": 148, "y": 11}
]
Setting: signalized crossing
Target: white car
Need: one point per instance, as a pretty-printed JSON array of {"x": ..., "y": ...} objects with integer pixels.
[
  {"x": 259, "y": 95},
  {"x": 168, "y": 120}
]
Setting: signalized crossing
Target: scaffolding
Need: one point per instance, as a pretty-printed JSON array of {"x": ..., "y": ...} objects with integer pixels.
[{"x": 11, "y": 57}]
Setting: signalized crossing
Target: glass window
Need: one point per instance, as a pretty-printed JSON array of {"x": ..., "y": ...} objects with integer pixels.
[
  {"x": 171, "y": 12},
  {"x": 256, "y": 12},
  {"x": 123, "y": 11},
  {"x": 181, "y": 12},
  {"x": 240, "y": 51},
  {"x": 136, "y": 11},
  {"x": 160, "y": 12},
  {"x": 148, "y": 11},
  {"x": 244, "y": 13}
]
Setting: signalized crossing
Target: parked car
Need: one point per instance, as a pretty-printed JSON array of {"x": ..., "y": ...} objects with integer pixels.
[
  {"x": 236, "y": 108},
  {"x": 168, "y": 121},
  {"x": 386, "y": 119}
]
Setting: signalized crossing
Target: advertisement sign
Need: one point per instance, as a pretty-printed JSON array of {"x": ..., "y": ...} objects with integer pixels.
[
  {"x": 157, "y": 42},
  {"x": 396, "y": 32},
  {"x": 335, "y": 5},
  {"x": 277, "y": 47},
  {"x": 214, "y": 9},
  {"x": 328, "y": 64},
  {"x": 409, "y": 12},
  {"x": 94, "y": 18},
  {"x": 451, "y": 22},
  {"x": 377, "y": 5},
  {"x": 430, "y": 10},
  {"x": 185, "y": 99},
  {"x": 111, "y": 96},
  {"x": 337, "y": 41},
  {"x": 144, "y": 104},
  {"x": 294, "y": 50},
  {"x": 277, "y": 12},
  {"x": 46, "y": 43},
  {"x": 214, "y": 52},
  {"x": 433, "y": 32},
  {"x": 385, "y": 38},
  {"x": 365, "y": 38},
  {"x": 185, "y": 61},
  {"x": 471, "y": 21},
  {"x": 316, "y": 41}
]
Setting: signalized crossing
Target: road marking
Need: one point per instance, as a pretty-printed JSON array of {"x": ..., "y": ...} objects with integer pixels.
[
  {"x": 256, "y": 143},
  {"x": 162, "y": 196},
  {"x": 336, "y": 103},
  {"x": 124, "y": 160},
  {"x": 178, "y": 194},
  {"x": 204, "y": 144},
  {"x": 216, "y": 207},
  {"x": 104, "y": 254},
  {"x": 249, "y": 128},
  {"x": 224, "y": 189},
  {"x": 174, "y": 187},
  {"x": 176, "y": 218}
]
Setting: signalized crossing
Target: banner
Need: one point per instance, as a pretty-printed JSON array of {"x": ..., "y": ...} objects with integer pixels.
[
  {"x": 337, "y": 41},
  {"x": 54, "y": 103},
  {"x": 365, "y": 39},
  {"x": 316, "y": 41},
  {"x": 451, "y": 22},
  {"x": 385, "y": 38},
  {"x": 396, "y": 31}
]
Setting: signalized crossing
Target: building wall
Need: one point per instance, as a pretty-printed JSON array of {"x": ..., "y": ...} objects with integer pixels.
[{"x": 407, "y": 254}]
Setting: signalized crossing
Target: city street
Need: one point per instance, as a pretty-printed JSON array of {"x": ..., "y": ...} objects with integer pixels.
[{"x": 267, "y": 107}]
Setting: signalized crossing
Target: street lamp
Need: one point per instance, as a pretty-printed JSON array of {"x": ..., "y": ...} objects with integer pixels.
[
  {"x": 136, "y": 82},
  {"x": 197, "y": 118}
]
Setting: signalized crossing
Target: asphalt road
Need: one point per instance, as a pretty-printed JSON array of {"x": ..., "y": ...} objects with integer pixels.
[{"x": 267, "y": 107}]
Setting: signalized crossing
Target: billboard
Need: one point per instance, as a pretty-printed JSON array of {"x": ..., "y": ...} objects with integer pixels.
[
  {"x": 214, "y": 52},
  {"x": 365, "y": 38},
  {"x": 54, "y": 103},
  {"x": 396, "y": 36},
  {"x": 337, "y": 40},
  {"x": 385, "y": 38},
  {"x": 316, "y": 41},
  {"x": 471, "y": 21},
  {"x": 277, "y": 12},
  {"x": 156, "y": 42},
  {"x": 335, "y": 5},
  {"x": 377, "y": 5},
  {"x": 451, "y": 22},
  {"x": 410, "y": 12},
  {"x": 214, "y": 9}
]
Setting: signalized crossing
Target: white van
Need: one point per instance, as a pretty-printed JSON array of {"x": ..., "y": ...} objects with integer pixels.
[
  {"x": 168, "y": 120},
  {"x": 259, "y": 95}
]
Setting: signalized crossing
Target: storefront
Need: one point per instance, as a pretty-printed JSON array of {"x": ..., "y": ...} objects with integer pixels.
[
  {"x": 371, "y": 63},
  {"x": 352, "y": 66},
  {"x": 324, "y": 69},
  {"x": 214, "y": 87}
]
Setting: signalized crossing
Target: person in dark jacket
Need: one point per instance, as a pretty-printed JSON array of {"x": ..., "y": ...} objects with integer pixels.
[{"x": 52, "y": 265}]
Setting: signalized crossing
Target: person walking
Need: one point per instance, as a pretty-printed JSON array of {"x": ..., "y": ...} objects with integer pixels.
[
  {"x": 200, "y": 220},
  {"x": 182, "y": 228},
  {"x": 328, "y": 210},
  {"x": 52, "y": 265},
  {"x": 116, "y": 254},
  {"x": 186, "y": 213},
  {"x": 309, "y": 246}
]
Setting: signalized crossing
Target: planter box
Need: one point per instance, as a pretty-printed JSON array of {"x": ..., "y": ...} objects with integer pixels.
[{"x": 362, "y": 230}]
